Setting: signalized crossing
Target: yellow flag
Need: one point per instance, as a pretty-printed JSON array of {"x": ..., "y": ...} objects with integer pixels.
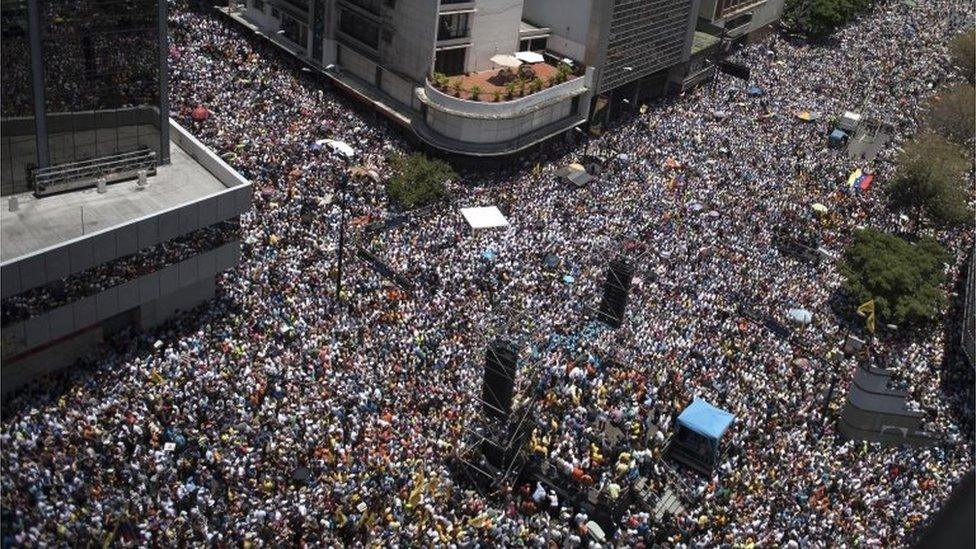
[
  {"x": 867, "y": 310},
  {"x": 419, "y": 485}
]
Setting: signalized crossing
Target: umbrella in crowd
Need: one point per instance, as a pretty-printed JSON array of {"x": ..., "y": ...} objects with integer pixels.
[
  {"x": 200, "y": 113},
  {"x": 801, "y": 316}
]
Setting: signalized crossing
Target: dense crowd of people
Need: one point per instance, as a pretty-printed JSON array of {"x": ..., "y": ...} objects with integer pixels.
[
  {"x": 20, "y": 307},
  {"x": 282, "y": 414}
]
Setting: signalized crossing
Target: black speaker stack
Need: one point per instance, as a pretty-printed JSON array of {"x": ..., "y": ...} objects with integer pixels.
[
  {"x": 499, "y": 381},
  {"x": 615, "y": 292}
]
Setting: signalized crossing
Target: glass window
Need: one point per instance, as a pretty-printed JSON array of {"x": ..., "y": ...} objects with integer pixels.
[
  {"x": 294, "y": 30},
  {"x": 18, "y": 147},
  {"x": 360, "y": 28},
  {"x": 101, "y": 77},
  {"x": 372, "y": 6},
  {"x": 453, "y": 26},
  {"x": 450, "y": 62}
]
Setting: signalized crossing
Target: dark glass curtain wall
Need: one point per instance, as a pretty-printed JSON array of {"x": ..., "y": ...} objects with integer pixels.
[
  {"x": 100, "y": 71},
  {"x": 18, "y": 147}
]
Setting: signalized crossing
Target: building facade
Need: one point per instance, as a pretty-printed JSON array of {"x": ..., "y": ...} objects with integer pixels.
[
  {"x": 739, "y": 19},
  {"x": 114, "y": 216},
  {"x": 444, "y": 66},
  {"x": 85, "y": 82}
]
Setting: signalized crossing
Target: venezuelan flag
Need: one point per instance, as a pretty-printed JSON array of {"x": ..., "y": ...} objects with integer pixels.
[{"x": 864, "y": 181}]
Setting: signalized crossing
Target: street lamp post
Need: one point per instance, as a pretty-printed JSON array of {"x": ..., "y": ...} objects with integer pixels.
[
  {"x": 717, "y": 58},
  {"x": 586, "y": 145},
  {"x": 340, "y": 195},
  {"x": 612, "y": 92}
]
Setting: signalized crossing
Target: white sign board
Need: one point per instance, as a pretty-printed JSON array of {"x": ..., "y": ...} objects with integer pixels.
[{"x": 484, "y": 218}]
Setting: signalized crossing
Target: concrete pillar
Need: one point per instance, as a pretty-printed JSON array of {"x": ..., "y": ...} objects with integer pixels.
[{"x": 159, "y": 310}]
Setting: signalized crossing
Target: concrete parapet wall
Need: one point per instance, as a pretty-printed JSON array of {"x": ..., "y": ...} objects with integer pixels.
[
  {"x": 507, "y": 109},
  {"x": 22, "y": 337}
]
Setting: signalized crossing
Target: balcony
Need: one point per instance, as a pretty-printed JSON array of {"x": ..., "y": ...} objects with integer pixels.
[
  {"x": 505, "y": 85},
  {"x": 478, "y": 124}
]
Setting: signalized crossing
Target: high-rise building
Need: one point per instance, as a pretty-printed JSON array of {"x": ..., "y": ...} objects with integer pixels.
[
  {"x": 87, "y": 82},
  {"x": 740, "y": 19},
  {"x": 113, "y": 215},
  {"x": 487, "y": 77}
]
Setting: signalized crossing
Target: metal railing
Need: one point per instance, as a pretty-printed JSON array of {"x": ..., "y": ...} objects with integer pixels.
[{"x": 87, "y": 173}]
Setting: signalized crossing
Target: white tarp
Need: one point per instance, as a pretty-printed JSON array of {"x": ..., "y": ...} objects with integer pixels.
[
  {"x": 529, "y": 57},
  {"x": 484, "y": 218},
  {"x": 340, "y": 147}
]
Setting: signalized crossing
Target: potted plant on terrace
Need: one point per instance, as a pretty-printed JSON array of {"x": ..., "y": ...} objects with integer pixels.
[
  {"x": 510, "y": 90},
  {"x": 441, "y": 81}
]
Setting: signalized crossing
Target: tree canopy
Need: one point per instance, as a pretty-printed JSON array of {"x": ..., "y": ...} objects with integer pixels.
[
  {"x": 418, "y": 180},
  {"x": 820, "y": 18},
  {"x": 952, "y": 113},
  {"x": 929, "y": 181},
  {"x": 904, "y": 279},
  {"x": 962, "y": 49}
]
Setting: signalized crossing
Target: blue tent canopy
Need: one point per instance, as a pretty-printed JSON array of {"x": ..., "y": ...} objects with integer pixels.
[{"x": 705, "y": 419}]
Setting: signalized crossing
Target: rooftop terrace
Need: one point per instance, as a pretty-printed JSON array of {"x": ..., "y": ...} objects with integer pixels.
[{"x": 503, "y": 84}]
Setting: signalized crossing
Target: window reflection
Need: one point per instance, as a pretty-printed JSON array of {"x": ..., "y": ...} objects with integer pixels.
[
  {"x": 99, "y": 80},
  {"x": 17, "y": 132},
  {"x": 101, "y": 77}
]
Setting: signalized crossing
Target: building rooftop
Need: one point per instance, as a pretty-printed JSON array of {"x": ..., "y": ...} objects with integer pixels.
[
  {"x": 44, "y": 222},
  {"x": 529, "y": 30},
  {"x": 702, "y": 41},
  {"x": 495, "y": 80}
]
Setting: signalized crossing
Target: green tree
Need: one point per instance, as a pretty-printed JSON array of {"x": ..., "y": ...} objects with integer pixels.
[
  {"x": 962, "y": 48},
  {"x": 953, "y": 113},
  {"x": 904, "y": 279},
  {"x": 418, "y": 180},
  {"x": 820, "y": 18},
  {"x": 929, "y": 181}
]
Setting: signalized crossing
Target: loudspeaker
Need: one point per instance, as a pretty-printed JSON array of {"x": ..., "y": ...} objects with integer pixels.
[
  {"x": 615, "y": 291},
  {"x": 736, "y": 70},
  {"x": 499, "y": 381}
]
